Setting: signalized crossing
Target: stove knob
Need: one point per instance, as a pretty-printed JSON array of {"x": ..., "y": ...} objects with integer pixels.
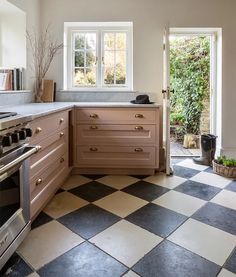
[
  {"x": 22, "y": 134},
  {"x": 29, "y": 132},
  {"x": 6, "y": 140},
  {"x": 15, "y": 137}
]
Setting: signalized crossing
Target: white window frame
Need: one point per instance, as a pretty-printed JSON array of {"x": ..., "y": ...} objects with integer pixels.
[{"x": 100, "y": 28}]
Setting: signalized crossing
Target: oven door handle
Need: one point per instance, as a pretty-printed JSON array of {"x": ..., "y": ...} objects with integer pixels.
[{"x": 20, "y": 159}]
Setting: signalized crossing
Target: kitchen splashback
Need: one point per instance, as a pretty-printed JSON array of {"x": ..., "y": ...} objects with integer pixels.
[{"x": 15, "y": 98}]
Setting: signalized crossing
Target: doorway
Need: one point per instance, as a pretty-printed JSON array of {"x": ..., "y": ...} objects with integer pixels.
[{"x": 192, "y": 81}]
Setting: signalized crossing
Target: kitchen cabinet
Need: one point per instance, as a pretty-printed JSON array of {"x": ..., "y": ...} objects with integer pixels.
[
  {"x": 49, "y": 167},
  {"x": 122, "y": 140}
]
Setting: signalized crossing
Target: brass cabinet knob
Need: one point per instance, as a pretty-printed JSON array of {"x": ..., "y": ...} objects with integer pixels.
[
  {"x": 93, "y": 115},
  {"x": 39, "y": 182},
  {"x": 61, "y": 120},
  {"x": 93, "y": 127},
  {"x": 38, "y": 130},
  {"x": 139, "y": 128},
  {"x": 139, "y": 115},
  {"x": 61, "y": 134},
  {"x": 93, "y": 149},
  {"x": 62, "y": 160},
  {"x": 138, "y": 150}
]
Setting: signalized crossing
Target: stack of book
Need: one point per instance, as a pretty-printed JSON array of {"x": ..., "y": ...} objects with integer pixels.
[{"x": 12, "y": 79}]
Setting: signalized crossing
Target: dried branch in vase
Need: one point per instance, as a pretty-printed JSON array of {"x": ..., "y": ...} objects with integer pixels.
[{"x": 44, "y": 48}]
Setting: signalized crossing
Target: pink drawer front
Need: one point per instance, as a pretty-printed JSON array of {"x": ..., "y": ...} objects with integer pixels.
[
  {"x": 115, "y": 134},
  {"x": 116, "y": 115},
  {"x": 116, "y": 156}
]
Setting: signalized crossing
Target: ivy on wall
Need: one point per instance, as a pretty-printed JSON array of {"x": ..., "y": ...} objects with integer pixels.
[{"x": 190, "y": 79}]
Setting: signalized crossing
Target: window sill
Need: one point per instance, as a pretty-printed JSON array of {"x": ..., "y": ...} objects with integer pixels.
[{"x": 98, "y": 90}]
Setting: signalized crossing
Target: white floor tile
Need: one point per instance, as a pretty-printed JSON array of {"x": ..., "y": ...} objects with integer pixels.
[
  {"x": 75, "y": 181},
  {"x": 46, "y": 243},
  {"x": 130, "y": 274},
  {"x": 64, "y": 203},
  {"x": 120, "y": 203},
  {"x": 180, "y": 202},
  {"x": 204, "y": 240},
  {"x": 225, "y": 198},
  {"x": 118, "y": 181},
  {"x": 165, "y": 181},
  {"x": 126, "y": 242},
  {"x": 211, "y": 179},
  {"x": 190, "y": 164},
  {"x": 34, "y": 274},
  {"x": 226, "y": 273}
]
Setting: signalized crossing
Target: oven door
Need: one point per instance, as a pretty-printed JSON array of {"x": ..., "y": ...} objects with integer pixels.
[{"x": 14, "y": 197}]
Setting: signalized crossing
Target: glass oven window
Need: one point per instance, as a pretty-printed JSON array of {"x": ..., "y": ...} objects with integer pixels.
[{"x": 9, "y": 197}]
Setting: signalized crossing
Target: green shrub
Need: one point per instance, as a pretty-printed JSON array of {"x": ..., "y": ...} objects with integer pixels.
[{"x": 176, "y": 119}]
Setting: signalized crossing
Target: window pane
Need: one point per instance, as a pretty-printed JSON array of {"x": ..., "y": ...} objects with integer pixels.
[
  {"x": 120, "y": 75},
  {"x": 121, "y": 41},
  {"x": 109, "y": 41},
  {"x": 109, "y": 58},
  {"x": 79, "y": 41},
  {"x": 91, "y": 76},
  {"x": 90, "y": 59},
  {"x": 85, "y": 77},
  {"x": 91, "y": 41},
  {"x": 79, "y": 59},
  {"x": 121, "y": 58},
  {"x": 109, "y": 75}
]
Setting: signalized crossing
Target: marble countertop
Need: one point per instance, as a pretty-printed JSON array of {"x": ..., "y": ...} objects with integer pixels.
[{"x": 41, "y": 109}]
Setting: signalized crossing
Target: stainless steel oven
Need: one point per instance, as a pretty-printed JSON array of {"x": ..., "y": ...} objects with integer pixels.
[{"x": 14, "y": 188}]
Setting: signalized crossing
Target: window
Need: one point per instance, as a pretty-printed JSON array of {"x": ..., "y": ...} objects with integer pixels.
[{"x": 98, "y": 56}]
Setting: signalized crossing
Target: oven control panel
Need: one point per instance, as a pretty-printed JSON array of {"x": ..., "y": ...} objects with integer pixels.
[{"x": 14, "y": 137}]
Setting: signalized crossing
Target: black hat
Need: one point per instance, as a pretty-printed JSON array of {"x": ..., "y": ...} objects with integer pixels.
[{"x": 142, "y": 99}]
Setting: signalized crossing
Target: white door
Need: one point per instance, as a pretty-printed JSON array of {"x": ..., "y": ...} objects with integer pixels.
[{"x": 166, "y": 100}]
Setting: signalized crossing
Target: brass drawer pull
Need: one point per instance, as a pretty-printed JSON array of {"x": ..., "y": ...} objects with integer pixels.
[
  {"x": 61, "y": 134},
  {"x": 38, "y": 130},
  {"x": 62, "y": 160},
  {"x": 61, "y": 120},
  {"x": 93, "y": 149},
  {"x": 39, "y": 182},
  {"x": 93, "y": 127},
  {"x": 139, "y": 115},
  {"x": 139, "y": 128},
  {"x": 138, "y": 150},
  {"x": 94, "y": 115}
]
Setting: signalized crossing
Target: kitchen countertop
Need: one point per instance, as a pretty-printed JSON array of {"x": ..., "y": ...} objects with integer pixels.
[{"x": 35, "y": 110}]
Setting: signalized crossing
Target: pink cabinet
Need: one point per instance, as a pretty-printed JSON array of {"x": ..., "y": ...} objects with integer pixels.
[{"x": 116, "y": 140}]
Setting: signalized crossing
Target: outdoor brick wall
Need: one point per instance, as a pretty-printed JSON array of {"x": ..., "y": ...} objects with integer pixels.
[{"x": 205, "y": 118}]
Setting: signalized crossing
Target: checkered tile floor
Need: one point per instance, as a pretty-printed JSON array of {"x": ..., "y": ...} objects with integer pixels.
[{"x": 184, "y": 225}]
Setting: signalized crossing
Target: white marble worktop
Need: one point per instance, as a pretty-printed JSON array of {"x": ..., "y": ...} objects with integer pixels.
[{"x": 36, "y": 110}]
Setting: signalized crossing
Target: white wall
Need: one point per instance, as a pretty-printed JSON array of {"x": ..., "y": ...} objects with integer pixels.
[
  {"x": 12, "y": 36},
  {"x": 32, "y": 10},
  {"x": 149, "y": 18}
]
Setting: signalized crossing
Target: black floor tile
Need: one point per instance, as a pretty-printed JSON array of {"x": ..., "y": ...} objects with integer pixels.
[
  {"x": 145, "y": 190},
  {"x": 93, "y": 176},
  {"x": 156, "y": 219},
  {"x": 140, "y": 176},
  {"x": 92, "y": 191},
  {"x": 170, "y": 260},
  {"x": 198, "y": 190},
  {"x": 41, "y": 219},
  {"x": 231, "y": 262},
  {"x": 88, "y": 221},
  {"x": 217, "y": 216},
  {"x": 15, "y": 267},
  {"x": 232, "y": 186},
  {"x": 59, "y": 191},
  {"x": 184, "y": 172},
  {"x": 84, "y": 260},
  {"x": 209, "y": 170}
]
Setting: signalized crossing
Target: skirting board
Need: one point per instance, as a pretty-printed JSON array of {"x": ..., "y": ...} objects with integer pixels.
[{"x": 114, "y": 171}]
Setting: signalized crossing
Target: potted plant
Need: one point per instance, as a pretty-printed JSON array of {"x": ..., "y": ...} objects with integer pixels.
[{"x": 225, "y": 166}]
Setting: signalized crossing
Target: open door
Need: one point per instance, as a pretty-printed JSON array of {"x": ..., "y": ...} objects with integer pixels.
[{"x": 166, "y": 100}]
